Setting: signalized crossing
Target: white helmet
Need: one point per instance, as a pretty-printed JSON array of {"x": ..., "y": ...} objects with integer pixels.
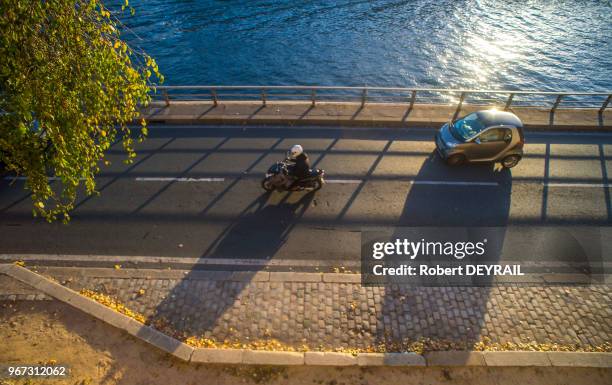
[{"x": 295, "y": 151}]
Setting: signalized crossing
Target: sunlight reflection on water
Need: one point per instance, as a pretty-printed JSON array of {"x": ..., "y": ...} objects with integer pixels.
[{"x": 545, "y": 45}]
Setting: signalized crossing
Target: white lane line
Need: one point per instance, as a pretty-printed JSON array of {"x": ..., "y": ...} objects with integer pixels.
[
  {"x": 567, "y": 133},
  {"x": 453, "y": 183},
  {"x": 422, "y": 182},
  {"x": 179, "y": 260},
  {"x": 344, "y": 181},
  {"x": 350, "y": 181},
  {"x": 586, "y": 185},
  {"x": 17, "y": 178},
  {"x": 352, "y": 263},
  {"x": 26, "y": 178},
  {"x": 188, "y": 180}
]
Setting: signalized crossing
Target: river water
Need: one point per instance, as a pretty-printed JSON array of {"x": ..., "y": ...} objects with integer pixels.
[{"x": 539, "y": 45}]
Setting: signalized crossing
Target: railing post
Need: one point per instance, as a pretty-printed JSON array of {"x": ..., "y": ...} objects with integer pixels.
[
  {"x": 557, "y": 102},
  {"x": 163, "y": 93},
  {"x": 412, "y": 99},
  {"x": 215, "y": 99},
  {"x": 509, "y": 102},
  {"x": 166, "y": 98},
  {"x": 461, "y": 99},
  {"x": 605, "y": 104}
]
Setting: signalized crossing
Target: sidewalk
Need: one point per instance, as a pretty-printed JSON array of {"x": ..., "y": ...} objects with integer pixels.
[
  {"x": 99, "y": 354},
  {"x": 353, "y": 114},
  {"x": 293, "y": 311}
]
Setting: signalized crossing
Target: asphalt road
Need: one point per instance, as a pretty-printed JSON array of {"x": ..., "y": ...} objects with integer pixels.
[{"x": 194, "y": 192}]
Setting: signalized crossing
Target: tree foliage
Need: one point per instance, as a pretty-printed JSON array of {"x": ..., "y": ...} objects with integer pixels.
[{"x": 69, "y": 89}]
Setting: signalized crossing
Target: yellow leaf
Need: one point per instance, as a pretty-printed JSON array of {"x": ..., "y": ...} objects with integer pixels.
[
  {"x": 117, "y": 267},
  {"x": 40, "y": 205},
  {"x": 117, "y": 44},
  {"x": 20, "y": 263},
  {"x": 141, "y": 292}
]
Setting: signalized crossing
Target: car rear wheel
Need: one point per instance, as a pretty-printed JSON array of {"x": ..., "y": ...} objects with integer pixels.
[
  {"x": 455, "y": 160},
  {"x": 510, "y": 161}
]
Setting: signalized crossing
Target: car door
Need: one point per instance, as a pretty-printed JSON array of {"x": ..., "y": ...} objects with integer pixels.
[{"x": 490, "y": 143}]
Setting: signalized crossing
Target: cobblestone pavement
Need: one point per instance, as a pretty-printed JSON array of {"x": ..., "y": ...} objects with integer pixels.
[
  {"x": 13, "y": 290},
  {"x": 321, "y": 314}
]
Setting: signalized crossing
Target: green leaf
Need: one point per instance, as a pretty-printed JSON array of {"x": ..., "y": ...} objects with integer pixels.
[{"x": 68, "y": 94}]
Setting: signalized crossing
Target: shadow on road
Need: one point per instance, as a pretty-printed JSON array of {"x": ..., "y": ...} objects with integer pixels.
[
  {"x": 232, "y": 220},
  {"x": 430, "y": 310},
  {"x": 261, "y": 231},
  {"x": 458, "y": 205},
  {"x": 258, "y": 233}
]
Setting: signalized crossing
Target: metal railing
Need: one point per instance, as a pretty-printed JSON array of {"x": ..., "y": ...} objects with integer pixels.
[{"x": 410, "y": 96}]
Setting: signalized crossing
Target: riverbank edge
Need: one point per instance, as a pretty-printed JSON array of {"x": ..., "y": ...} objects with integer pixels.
[
  {"x": 302, "y": 113},
  {"x": 187, "y": 353}
]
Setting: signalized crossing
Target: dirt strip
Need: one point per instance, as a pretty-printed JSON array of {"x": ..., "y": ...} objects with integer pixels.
[{"x": 51, "y": 332}]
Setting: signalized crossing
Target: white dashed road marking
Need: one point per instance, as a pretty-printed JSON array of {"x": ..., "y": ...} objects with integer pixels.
[
  {"x": 597, "y": 185},
  {"x": 344, "y": 181},
  {"x": 188, "y": 180},
  {"x": 423, "y": 182},
  {"x": 453, "y": 183},
  {"x": 351, "y": 181}
]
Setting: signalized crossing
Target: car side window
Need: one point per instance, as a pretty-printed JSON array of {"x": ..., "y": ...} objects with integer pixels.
[{"x": 492, "y": 135}]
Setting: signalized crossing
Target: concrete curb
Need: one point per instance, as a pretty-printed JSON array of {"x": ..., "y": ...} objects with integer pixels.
[
  {"x": 212, "y": 275},
  {"x": 455, "y": 358},
  {"x": 329, "y": 359},
  {"x": 97, "y": 310},
  {"x": 516, "y": 359},
  {"x": 390, "y": 359},
  {"x": 248, "y": 276},
  {"x": 352, "y": 114},
  {"x": 187, "y": 353}
]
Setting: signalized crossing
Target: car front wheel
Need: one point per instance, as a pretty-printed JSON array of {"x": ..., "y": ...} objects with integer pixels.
[
  {"x": 455, "y": 160},
  {"x": 510, "y": 161}
]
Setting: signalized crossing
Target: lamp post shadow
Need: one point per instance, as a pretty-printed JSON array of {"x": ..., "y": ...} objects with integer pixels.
[{"x": 449, "y": 315}]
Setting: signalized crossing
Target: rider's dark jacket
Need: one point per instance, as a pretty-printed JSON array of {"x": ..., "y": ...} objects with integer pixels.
[{"x": 301, "y": 169}]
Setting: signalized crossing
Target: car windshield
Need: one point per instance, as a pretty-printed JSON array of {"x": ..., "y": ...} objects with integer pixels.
[{"x": 467, "y": 127}]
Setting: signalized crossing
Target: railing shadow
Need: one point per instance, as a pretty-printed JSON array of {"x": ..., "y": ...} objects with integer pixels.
[{"x": 262, "y": 228}]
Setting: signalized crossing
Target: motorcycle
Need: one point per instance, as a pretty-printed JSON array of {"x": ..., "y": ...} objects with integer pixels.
[{"x": 278, "y": 178}]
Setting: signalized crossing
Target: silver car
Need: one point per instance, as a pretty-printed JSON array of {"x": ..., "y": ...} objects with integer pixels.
[{"x": 483, "y": 136}]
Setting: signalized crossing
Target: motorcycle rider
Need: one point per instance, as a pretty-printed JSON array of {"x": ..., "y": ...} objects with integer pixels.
[{"x": 301, "y": 164}]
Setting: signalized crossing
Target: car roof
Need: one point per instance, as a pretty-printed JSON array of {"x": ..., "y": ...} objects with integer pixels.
[{"x": 496, "y": 118}]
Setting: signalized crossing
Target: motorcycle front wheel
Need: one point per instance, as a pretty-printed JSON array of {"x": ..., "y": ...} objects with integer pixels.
[
  {"x": 317, "y": 184},
  {"x": 267, "y": 185}
]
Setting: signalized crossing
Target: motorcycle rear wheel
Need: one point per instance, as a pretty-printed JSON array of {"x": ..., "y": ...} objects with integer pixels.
[{"x": 267, "y": 185}]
